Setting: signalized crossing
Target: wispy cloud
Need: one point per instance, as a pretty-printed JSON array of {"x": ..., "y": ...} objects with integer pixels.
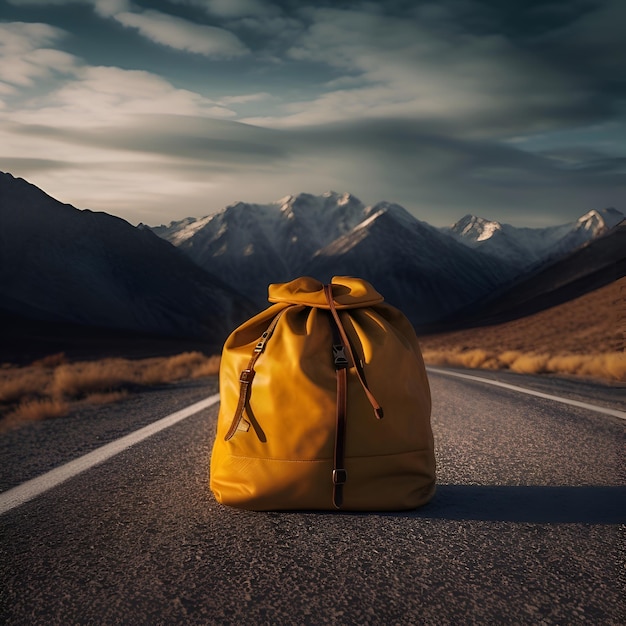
[
  {"x": 102, "y": 7},
  {"x": 245, "y": 98},
  {"x": 26, "y": 55},
  {"x": 110, "y": 8},
  {"x": 30, "y": 3},
  {"x": 109, "y": 96},
  {"x": 182, "y": 34},
  {"x": 163, "y": 28},
  {"x": 399, "y": 67},
  {"x": 234, "y": 8}
]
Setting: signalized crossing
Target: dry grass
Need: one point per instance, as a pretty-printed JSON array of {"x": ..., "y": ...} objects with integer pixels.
[
  {"x": 175, "y": 368},
  {"x": 608, "y": 366},
  {"x": 81, "y": 379},
  {"x": 33, "y": 410},
  {"x": 16, "y": 386},
  {"x": 106, "y": 398},
  {"x": 49, "y": 387},
  {"x": 583, "y": 337},
  {"x": 210, "y": 367}
]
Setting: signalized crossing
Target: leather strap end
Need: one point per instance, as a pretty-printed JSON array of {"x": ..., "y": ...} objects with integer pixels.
[{"x": 338, "y": 497}]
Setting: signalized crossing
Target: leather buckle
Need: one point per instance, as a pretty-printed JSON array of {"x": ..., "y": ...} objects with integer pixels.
[
  {"x": 340, "y": 476},
  {"x": 246, "y": 376}
]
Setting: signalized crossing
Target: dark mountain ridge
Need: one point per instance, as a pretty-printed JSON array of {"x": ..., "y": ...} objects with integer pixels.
[
  {"x": 600, "y": 262},
  {"x": 58, "y": 263}
]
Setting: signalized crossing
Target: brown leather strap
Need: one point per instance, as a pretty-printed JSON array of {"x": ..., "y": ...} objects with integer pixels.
[
  {"x": 339, "y": 471},
  {"x": 341, "y": 364},
  {"x": 247, "y": 376},
  {"x": 378, "y": 410}
]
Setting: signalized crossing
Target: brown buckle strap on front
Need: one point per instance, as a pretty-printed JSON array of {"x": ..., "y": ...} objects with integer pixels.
[
  {"x": 341, "y": 368},
  {"x": 341, "y": 346},
  {"x": 378, "y": 410},
  {"x": 247, "y": 376}
]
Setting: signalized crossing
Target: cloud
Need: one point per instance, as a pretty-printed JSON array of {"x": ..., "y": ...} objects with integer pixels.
[
  {"x": 244, "y": 98},
  {"x": 436, "y": 176},
  {"x": 110, "y": 8},
  {"x": 26, "y": 3},
  {"x": 105, "y": 8},
  {"x": 109, "y": 96},
  {"x": 215, "y": 143},
  {"x": 234, "y": 8},
  {"x": 256, "y": 20},
  {"x": 24, "y": 54},
  {"x": 163, "y": 28},
  {"x": 158, "y": 168},
  {"x": 481, "y": 83},
  {"x": 182, "y": 34},
  {"x": 446, "y": 108},
  {"x": 599, "y": 46}
]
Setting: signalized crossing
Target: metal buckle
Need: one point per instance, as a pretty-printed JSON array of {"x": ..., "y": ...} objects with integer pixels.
[
  {"x": 339, "y": 354},
  {"x": 340, "y": 476},
  {"x": 261, "y": 344},
  {"x": 246, "y": 376}
]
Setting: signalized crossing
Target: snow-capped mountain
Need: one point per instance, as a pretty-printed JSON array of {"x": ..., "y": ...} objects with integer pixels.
[
  {"x": 427, "y": 272},
  {"x": 423, "y": 272},
  {"x": 594, "y": 224},
  {"x": 526, "y": 247},
  {"x": 252, "y": 245},
  {"x": 419, "y": 269},
  {"x": 58, "y": 263},
  {"x": 599, "y": 262}
]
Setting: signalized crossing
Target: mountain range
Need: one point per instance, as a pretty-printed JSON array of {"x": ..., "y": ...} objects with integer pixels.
[
  {"x": 526, "y": 247},
  {"x": 430, "y": 273},
  {"x": 200, "y": 277}
]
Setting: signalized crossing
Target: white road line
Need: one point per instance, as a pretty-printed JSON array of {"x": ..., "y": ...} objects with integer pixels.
[
  {"x": 539, "y": 394},
  {"x": 30, "y": 489}
]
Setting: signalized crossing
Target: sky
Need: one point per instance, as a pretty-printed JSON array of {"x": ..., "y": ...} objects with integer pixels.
[{"x": 159, "y": 110}]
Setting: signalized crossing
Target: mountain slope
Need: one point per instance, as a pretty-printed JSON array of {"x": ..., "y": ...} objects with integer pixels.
[
  {"x": 58, "y": 263},
  {"x": 564, "y": 329},
  {"x": 64, "y": 266},
  {"x": 590, "y": 267},
  {"x": 252, "y": 245},
  {"x": 418, "y": 269}
]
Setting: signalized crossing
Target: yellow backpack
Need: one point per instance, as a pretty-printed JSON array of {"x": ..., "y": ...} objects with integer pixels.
[{"x": 325, "y": 404}]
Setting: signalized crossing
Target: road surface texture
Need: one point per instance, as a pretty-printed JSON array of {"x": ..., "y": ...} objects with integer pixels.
[{"x": 527, "y": 526}]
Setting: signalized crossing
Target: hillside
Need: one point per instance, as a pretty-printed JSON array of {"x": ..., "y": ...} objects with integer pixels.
[
  {"x": 417, "y": 269},
  {"x": 596, "y": 264},
  {"x": 591, "y": 326},
  {"x": 59, "y": 264}
]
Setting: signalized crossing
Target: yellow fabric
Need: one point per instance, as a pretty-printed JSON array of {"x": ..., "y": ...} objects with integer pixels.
[
  {"x": 285, "y": 458},
  {"x": 348, "y": 292}
]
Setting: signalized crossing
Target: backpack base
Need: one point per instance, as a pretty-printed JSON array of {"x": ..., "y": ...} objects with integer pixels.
[{"x": 381, "y": 483}]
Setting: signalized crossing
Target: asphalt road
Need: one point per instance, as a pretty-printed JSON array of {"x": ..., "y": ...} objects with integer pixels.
[{"x": 527, "y": 526}]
